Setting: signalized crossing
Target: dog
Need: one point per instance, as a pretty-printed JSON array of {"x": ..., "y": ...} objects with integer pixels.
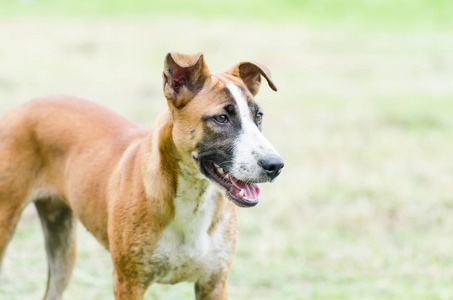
[{"x": 162, "y": 201}]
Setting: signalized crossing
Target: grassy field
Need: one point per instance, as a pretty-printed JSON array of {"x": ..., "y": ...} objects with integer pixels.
[
  {"x": 363, "y": 119},
  {"x": 353, "y": 13}
]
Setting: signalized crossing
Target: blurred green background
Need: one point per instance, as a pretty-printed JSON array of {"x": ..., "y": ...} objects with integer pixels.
[
  {"x": 363, "y": 118},
  {"x": 421, "y": 13}
]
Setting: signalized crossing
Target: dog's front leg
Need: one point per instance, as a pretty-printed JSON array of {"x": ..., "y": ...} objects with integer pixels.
[
  {"x": 127, "y": 287},
  {"x": 128, "y": 279},
  {"x": 214, "y": 288}
]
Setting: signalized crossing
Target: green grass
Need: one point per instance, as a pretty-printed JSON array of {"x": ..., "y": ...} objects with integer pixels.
[
  {"x": 362, "y": 118},
  {"x": 354, "y": 13}
]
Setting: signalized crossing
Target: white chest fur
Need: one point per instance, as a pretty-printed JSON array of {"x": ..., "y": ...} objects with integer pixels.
[{"x": 188, "y": 249}]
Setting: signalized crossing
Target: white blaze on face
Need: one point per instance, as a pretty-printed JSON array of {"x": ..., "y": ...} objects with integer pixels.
[{"x": 250, "y": 145}]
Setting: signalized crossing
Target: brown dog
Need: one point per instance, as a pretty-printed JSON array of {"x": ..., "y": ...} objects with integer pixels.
[{"x": 157, "y": 200}]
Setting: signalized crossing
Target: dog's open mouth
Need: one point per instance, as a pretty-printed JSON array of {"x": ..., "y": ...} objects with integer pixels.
[{"x": 242, "y": 193}]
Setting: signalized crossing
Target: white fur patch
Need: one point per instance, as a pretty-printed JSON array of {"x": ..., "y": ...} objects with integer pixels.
[
  {"x": 251, "y": 145},
  {"x": 186, "y": 251}
]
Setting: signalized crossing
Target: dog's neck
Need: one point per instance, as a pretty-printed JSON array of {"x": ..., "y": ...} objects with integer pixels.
[
  {"x": 160, "y": 160},
  {"x": 181, "y": 176},
  {"x": 192, "y": 185}
]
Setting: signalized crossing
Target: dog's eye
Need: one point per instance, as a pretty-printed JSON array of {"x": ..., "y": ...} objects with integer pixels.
[
  {"x": 221, "y": 119},
  {"x": 259, "y": 117}
]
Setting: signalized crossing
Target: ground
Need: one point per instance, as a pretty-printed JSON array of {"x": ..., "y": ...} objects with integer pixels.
[{"x": 363, "y": 119}]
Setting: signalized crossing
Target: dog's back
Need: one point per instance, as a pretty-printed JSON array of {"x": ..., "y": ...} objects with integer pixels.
[
  {"x": 52, "y": 150},
  {"x": 43, "y": 140}
]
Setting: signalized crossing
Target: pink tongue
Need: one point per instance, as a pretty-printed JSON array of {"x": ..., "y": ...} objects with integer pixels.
[{"x": 251, "y": 190}]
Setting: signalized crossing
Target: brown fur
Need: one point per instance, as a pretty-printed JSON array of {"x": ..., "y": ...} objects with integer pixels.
[{"x": 71, "y": 156}]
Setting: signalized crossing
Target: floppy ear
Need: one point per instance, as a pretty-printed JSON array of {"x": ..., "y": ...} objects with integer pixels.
[
  {"x": 250, "y": 73},
  {"x": 184, "y": 76}
]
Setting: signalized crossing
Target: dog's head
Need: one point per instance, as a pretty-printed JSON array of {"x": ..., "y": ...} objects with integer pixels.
[{"x": 217, "y": 124}]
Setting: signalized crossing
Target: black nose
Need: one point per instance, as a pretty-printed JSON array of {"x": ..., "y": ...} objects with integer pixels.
[{"x": 272, "y": 165}]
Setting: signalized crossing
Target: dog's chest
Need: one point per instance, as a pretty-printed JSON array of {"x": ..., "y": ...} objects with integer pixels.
[{"x": 190, "y": 249}]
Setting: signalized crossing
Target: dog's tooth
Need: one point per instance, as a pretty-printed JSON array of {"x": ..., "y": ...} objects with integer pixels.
[
  {"x": 216, "y": 165},
  {"x": 227, "y": 176},
  {"x": 220, "y": 170},
  {"x": 242, "y": 193}
]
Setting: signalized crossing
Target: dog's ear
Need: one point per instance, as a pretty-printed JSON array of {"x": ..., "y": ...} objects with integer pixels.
[
  {"x": 250, "y": 73},
  {"x": 184, "y": 76}
]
